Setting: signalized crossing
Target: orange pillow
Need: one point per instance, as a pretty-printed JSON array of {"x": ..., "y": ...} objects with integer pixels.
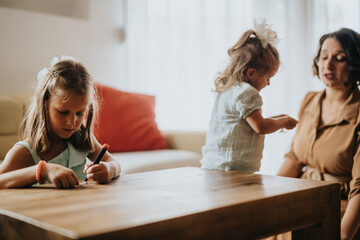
[{"x": 126, "y": 121}]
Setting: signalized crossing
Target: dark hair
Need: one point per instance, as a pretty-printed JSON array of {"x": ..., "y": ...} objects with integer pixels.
[
  {"x": 247, "y": 53},
  {"x": 350, "y": 41}
]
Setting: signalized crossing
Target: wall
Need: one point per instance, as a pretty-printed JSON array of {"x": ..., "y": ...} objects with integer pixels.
[{"x": 29, "y": 40}]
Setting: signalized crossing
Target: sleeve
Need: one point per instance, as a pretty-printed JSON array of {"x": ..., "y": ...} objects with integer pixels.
[
  {"x": 248, "y": 102},
  {"x": 355, "y": 172},
  {"x": 305, "y": 102}
]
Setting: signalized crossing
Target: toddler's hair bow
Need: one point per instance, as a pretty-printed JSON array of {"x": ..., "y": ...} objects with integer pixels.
[{"x": 265, "y": 34}]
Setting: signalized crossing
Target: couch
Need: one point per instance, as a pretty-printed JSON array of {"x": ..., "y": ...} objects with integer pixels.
[{"x": 183, "y": 148}]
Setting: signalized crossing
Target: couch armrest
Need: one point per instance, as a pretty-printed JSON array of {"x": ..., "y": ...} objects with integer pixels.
[
  {"x": 186, "y": 140},
  {"x": 12, "y": 108}
]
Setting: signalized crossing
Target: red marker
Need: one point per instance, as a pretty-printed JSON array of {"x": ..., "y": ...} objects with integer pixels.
[{"x": 99, "y": 157}]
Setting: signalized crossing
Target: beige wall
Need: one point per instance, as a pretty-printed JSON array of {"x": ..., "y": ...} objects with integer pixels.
[{"x": 29, "y": 39}]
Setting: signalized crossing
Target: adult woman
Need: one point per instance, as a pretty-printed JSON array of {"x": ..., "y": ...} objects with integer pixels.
[{"x": 327, "y": 139}]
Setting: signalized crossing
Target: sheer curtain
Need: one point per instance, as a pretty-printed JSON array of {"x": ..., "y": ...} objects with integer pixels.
[{"x": 176, "y": 49}]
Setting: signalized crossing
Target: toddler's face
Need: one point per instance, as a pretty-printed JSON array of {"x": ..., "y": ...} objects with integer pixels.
[
  {"x": 260, "y": 80},
  {"x": 66, "y": 112}
]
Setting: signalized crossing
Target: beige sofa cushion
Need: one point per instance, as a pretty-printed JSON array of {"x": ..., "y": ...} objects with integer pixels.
[
  {"x": 12, "y": 111},
  {"x": 11, "y": 115},
  {"x": 132, "y": 162}
]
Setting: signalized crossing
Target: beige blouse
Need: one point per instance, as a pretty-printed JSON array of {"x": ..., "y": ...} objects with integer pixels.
[{"x": 332, "y": 148}]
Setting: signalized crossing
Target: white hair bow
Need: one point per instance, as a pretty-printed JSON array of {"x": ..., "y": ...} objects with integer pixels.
[
  {"x": 42, "y": 74},
  {"x": 265, "y": 34}
]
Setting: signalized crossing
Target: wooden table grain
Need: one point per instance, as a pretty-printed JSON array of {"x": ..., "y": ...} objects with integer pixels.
[{"x": 182, "y": 203}]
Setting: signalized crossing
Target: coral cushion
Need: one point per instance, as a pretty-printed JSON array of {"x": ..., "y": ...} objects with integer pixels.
[{"x": 126, "y": 121}]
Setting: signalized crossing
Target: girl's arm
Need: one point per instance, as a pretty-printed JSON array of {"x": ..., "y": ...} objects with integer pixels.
[
  {"x": 350, "y": 222},
  {"x": 106, "y": 170},
  {"x": 19, "y": 170},
  {"x": 269, "y": 125},
  {"x": 24, "y": 177}
]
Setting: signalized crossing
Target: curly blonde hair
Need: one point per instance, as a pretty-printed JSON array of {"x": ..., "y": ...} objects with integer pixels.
[
  {"x": 246, "y": 53},
  {"x": 70, "y": 76}
]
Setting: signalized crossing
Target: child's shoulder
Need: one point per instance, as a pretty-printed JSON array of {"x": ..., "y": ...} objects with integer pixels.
[
  {"x": 244, "y": 86},
  {"x": 244, "y": 89},
  {"x": 24, "y": 144},
  {"x": 20, "y": 153}
]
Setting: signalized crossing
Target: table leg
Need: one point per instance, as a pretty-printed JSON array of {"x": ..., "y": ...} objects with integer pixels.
[{"x": 313, "y": 232}]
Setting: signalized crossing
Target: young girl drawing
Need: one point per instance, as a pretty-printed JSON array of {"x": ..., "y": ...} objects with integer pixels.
[
  {"x": 235, "y": 139},
  {"x": 57, "y": 133}
]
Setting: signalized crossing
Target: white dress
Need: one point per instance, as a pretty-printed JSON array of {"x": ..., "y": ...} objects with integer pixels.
[{"x": 231, "y": 144}]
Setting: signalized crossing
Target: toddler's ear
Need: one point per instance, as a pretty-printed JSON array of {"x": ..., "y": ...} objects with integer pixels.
[{"x": 250, "y": 73}]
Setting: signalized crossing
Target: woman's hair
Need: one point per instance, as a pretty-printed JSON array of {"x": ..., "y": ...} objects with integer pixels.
[
  {"x": 247, "y": 53},
  {"x": 72, "y": 77},
  {"x": 350, "y": 41}
]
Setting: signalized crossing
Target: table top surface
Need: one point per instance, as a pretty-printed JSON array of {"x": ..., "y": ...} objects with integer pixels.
[{"x": 141, "y": 198}]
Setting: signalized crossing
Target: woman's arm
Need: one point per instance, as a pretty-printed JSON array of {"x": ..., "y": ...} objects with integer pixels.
[
  {"x": 290, "y": 168},
  {"x": 351, "y": 220},
  {"x": 269, "y": 125}
]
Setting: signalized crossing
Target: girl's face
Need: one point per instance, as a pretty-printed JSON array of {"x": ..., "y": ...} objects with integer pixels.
[
  {"x": 66, "y": 112},
  {"x": 333, "y": 69},
  {"x": 260, "y": 80}
]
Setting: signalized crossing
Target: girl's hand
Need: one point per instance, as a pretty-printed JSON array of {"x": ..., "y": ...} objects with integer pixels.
[
  {"x": 99, "y": 173},
  {"x": 279, "y": 116},
  {"x": 61, "y": 176},
  {"x": 290, "y": 122}
]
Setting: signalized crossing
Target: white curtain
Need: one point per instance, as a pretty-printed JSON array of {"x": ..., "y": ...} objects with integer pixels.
[{"x": 177, "y": 47}]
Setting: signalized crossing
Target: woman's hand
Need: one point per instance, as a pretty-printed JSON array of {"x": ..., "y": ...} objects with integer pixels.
[
  {"x": 61, "y": 176},
  {"x": 99, "y": 173}
]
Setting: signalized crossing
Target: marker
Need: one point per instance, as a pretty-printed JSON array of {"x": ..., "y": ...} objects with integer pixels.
[{"x": 99, "y": 157}]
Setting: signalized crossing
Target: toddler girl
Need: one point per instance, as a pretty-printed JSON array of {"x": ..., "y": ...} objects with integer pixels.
[
  {"x": 235, "y": 139},
  {"x": 57, "y": 133}
]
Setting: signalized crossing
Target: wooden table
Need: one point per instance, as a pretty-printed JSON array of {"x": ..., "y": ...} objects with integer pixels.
[{"x": 183, "y": 203}]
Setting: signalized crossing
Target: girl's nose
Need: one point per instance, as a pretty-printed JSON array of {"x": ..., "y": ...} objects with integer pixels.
[{"x": 71, "y": 120}]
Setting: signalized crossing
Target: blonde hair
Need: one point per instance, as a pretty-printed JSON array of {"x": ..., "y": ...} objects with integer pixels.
[
  {"x": 70, "y": 76},
  {"x": 247, "y": 53}
]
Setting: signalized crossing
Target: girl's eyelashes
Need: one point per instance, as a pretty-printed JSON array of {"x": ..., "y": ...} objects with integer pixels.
[
  {"x": 63, "y": 112},
  {"x": 67, "y": 112}
]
